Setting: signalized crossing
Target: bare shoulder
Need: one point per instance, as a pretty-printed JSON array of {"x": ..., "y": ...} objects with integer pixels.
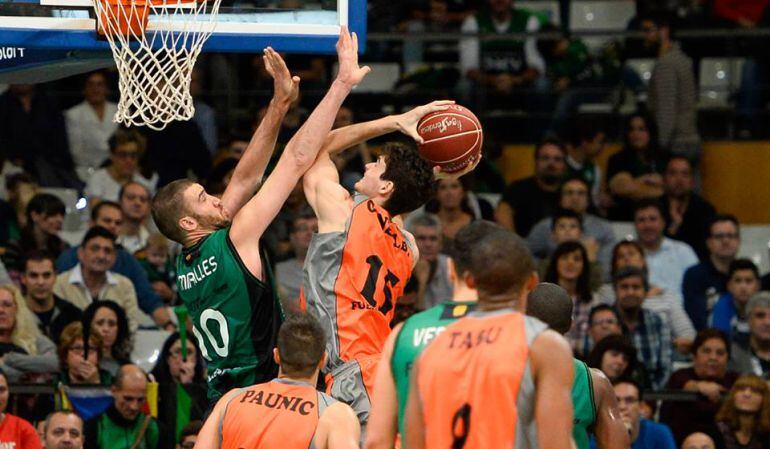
[{"x": 551, "y": 348}]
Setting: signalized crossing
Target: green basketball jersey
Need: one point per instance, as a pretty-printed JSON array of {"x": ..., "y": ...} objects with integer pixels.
[
  {"x": 415, "y": 334},
  {"x": 583, "y": 403},
  {"x": 235, "y": 315}
]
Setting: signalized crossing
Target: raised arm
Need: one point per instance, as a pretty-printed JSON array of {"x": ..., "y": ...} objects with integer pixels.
[
  {"x": 609, "y": 429},
  {"x": 249, "y": 224},
  {"x": 551, "y": 364},
  {"x": 251, "y": 168}
]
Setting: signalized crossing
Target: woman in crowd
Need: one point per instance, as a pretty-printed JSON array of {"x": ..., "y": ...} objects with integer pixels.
[
  {"x": 708, "y": 377},
  {"x": 452, "y": 208},
  {"x": 669, "y": 306},
  {"x": 108, "y": 319},
  {"x": 25, "y": 353},
  {"x": 182, "y": 386},
  {"x": 15, "y": 432},
  {"x": 744, "y": 419},
  {"x": 570, "y": 268},
  {"x": 75, "y": 366},
  {"x": 615, "y": 356}
]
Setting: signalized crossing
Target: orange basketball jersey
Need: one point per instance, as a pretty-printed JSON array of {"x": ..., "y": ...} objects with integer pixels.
[
  {"x": 475, "y": 385},
  {"x": 281, "y": 414},
  {"x": 352, "y": 280}
]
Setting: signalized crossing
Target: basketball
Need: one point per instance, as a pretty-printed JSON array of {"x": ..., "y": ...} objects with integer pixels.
[{"x": 452, "y": 138}]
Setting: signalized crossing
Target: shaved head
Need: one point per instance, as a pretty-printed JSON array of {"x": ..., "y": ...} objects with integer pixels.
[{"x": 552, "y": 305}]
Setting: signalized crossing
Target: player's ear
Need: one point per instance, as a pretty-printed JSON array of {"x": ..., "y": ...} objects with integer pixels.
[
  {"x": 276, "y": 356},
  {"x": 188, "y": 223},
  {"x": 386, "y": 187},
  {"x": 469, "y": 280},
  {"x": 451, "y": 270}
]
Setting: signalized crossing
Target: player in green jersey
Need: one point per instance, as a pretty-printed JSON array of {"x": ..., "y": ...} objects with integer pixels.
[
  {"x": 595, "y": 407},
  {"x": 408, "y": 339},
  {"x": 220, "y": 274}
]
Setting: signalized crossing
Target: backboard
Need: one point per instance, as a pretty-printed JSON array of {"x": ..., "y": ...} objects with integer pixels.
[{"x": 293, "y": 26}]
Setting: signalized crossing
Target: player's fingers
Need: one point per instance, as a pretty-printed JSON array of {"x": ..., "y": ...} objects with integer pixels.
[
  {"x": 355, "y": 42},
  {"x": 295, "y": 80},
  {"x": 412, "y": 132}
]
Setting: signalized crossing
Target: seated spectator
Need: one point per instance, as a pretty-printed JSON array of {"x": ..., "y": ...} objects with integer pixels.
[
  {"x": 529, "y": 200},
  {"x": 708, "y": 377},
  {"x": 649, "y": 332},
  {"x": 629, "y": 253},
  {"x": 574, "y": 196},
  {"x": 585, "y": 144},
  {"x": 452, "y": 209},
  {"x": 22, "y": 187},
  {"x": 686, "y": 213},
  {"x": 432, "y": 270},
  {"x": 633, "y": 173},
  {"x": 15, "y": 432},
  {"x": 744, "y": 419},
  {"x": 667, "y": 259},
  {"x": 108, "y": 215},
  {"x": 567, "y": 226},
  {"x": 135, "y": 203},
  {"x": 603, "y": 321},
  {"x": 125, "y": 417},
  {"x": 52, "y": 312},
  {"x": 91, "y": 279},
  {"x": 182, "y": 387},
  {"x": 190, "y": 435},
  {"x": 729, "y": 313},
  {"x": 698, "y": 440},
  {"x": 156, "y": 261},
  {"x": 75, "y": 367},
  {"x": 25, "y": 353},
  {"x": 571, "y": 270},
  {"x": 126, "y": 148},
  {"x": 644, "y": 433},
  {"x": 704, "y": 283},
  {"x": 45, "y": 216},
  {"x": 108, "y": 319},
  {"x": 615, "y": 356},
  {"x": 753, "y": 356},
  {"x": 90, "y": 124},
  {"x": 289, "y": 274},
  {"x": 63, "y": 430}
]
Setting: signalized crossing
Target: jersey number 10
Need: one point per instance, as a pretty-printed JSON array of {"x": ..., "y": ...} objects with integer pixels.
[{"x": 224, "y": 334}]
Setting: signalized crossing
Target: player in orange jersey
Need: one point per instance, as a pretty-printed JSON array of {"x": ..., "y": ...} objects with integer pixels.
[
  {"x": 496, "y": 378},
  {"x": 361, "y": 258},
  {"x": 287, "y": 412}
]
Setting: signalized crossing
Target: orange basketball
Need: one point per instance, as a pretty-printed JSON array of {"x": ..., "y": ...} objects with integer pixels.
[{"x": 452, "y": 138}]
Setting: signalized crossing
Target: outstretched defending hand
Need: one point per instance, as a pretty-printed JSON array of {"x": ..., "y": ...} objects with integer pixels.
[
  {"x": 285, "y": 86},
  {"x": 349, "y": 73},
  {"x": 407, "y": 122}
]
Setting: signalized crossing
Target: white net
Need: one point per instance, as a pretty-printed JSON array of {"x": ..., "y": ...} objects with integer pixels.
[{"x": 155, "y": 44}]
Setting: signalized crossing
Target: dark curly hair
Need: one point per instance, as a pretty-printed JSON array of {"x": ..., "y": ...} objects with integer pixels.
[
  {"x": 121, "y": 350},
  {"x": 412, "y": 178}
]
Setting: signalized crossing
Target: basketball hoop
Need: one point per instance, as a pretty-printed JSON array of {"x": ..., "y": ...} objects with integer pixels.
[{"x": 155, "y": 44}]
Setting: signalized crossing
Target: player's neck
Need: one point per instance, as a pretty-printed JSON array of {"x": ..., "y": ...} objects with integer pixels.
[
  {"x": 463, "y": 293},
  {"x": 195, "y": 236},
  {"x": 312, "y": 380}
]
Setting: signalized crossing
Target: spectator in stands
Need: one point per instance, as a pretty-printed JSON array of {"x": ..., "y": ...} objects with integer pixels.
[
  {"x": 52, "y": 312},
  {"x": 672, "y": 95},
  {"x": 108, "y": 215},
  {"x": 175, "y": 151},
  {"x": 8, "y": 168},
  {"x": 615, "y": 356},
  {"x": 205, "y": 116},
  {"x": 432, "y": 270},
  {"x": 686, "y": 212},
  {"x": 91, "y": 279},
  {"x": 63, "y": 430},
  {"x": 753, "y": 356},
  {"x": 15, "y": 432},
  {"x": 126, "y": 148},
  {"x": 190, "y": 435},
  {"x": 182, "y": 387},
  {"x": 157, "y": 263},
  {"x": 649, "y": 332},
  {"x": 603, "y": 321},
  {"x": 570, "y": 268},
  {"x": 729, "y": 314},
  {"x": 527, "y": 201},
  {"x": 698, "y": 440},
  {"x": 75, "y": 367},
  {"x": 633, "y": 173},
  {"x": 452, "y": 209},
  {"x": 667, "y": 259},
  {"x": 109, "y": 320},
  {"x": 289, "y": 272},
  {"x": 704, "y": 283},
  {"x": 350, "y": 163},
  {"x": 32, "y": 130},
  {"x": 135, "y": 202},
  {"x": 90, "y": 124},
  {"x": 502, "y": 67},
  {"x": 585, "y": 144},
  {"x": 645, "y": 434},
  {"x": 125, "y": 417},
  {"x": 629, "y": 253},
  {"x": 709, "y": 377},
  {"x": 744, "y": 419},
  {"x": 574, "y": 196}
]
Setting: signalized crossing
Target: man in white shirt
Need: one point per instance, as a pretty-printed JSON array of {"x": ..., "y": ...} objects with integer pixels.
[{"x": 135, "y": 204}]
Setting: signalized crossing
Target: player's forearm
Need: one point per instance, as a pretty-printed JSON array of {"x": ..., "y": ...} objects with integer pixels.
[{"x": 349, "y": 136}]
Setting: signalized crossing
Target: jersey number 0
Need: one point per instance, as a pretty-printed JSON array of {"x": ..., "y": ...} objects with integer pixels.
[{"x": 224, "y": 335}]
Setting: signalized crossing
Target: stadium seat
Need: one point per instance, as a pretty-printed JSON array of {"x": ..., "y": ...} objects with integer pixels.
[
  {"x": 76, "y": 218},
  {"x": 383, "y": 78},
  {"x": 147, "y": 346},
  {"x": 642, "y": 66},
  {"x": 549, "y": 8},
  {"x": 600, "y": 15},
  {"x": 719, "y": 78}
]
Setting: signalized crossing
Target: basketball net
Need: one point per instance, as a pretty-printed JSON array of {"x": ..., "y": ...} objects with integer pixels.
[{"x": 155, "y": 44}]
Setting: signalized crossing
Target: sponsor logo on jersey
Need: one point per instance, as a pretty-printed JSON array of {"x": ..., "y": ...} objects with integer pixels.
[
  {"x": 425, "y": 335},
  {"x": 199, "y": 272}
]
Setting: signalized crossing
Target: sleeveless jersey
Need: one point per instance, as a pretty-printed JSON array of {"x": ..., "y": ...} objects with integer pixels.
[
  {"x": 280, "y": 414},
  {"x": 475, "y": 383},
  {"x": 352, "y": 280},
  {"x": 415, "y": 334},
  {"x": 583, "y": 403},
  {"x": 235, "y": 315}
]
